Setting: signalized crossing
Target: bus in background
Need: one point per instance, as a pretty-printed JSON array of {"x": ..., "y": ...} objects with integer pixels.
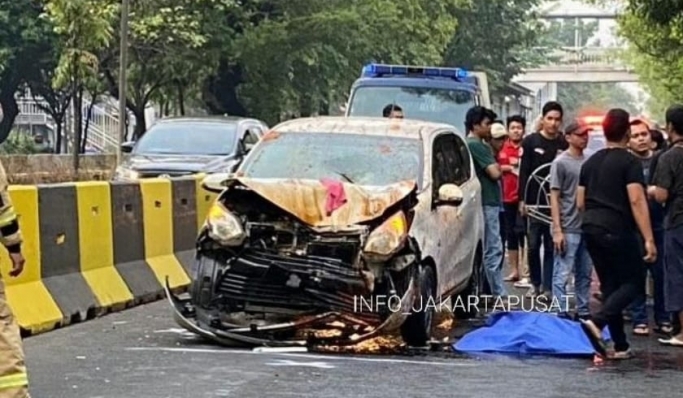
[{"x": 434, "y": 94}]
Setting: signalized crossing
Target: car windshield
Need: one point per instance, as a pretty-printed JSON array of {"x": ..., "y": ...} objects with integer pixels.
[
  {"x": 361, "y": 159},
  {"x": 188, "y": 138},
  {"x": 431, "y": 104}
]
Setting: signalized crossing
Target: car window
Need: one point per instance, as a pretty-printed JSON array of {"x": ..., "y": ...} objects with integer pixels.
[
  {"x": 441, "y": 105},
  {"x": 446, "y": 164},
  {"x": 363, "y": 159},
  {"x": 188, "y": 138},
  {"x": 463, "y": 170}
]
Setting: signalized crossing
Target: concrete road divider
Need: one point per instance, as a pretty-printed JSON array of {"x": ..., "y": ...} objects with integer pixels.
[{"x": 97, "y": 247}]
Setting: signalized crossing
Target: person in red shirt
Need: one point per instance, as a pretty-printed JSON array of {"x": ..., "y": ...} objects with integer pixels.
[{"x": 509, "y": 158}]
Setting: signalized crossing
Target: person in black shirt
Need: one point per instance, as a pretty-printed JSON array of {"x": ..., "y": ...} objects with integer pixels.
[
  {"x": 538, "y": 150},
  {"x": 613, "y": 199},
  {"x": 668, "y": 188}
]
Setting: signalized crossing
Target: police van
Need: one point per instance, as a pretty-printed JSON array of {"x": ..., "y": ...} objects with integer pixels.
[{"x": 432, "y": 94}]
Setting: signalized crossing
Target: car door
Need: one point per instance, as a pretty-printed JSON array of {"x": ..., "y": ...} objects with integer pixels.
[
  {"x": 447, "y": 221},
  {"x": 469, "y": 213}
]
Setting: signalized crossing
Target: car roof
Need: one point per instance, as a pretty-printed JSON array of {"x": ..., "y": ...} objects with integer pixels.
[
  {"x": 417, "y": 82},
  {"x": 207, "y": 119},
  {"x": 377, "y": 126}
]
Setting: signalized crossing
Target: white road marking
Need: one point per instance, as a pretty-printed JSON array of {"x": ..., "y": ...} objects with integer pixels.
[
  {"x": 310, "y": 356},
  {"x": 288, "y": 362}
]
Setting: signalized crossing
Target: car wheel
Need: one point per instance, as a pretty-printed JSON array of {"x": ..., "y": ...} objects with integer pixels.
[
  {"x": 475, "y": 287},
  {"x": 416, "y": 329}
]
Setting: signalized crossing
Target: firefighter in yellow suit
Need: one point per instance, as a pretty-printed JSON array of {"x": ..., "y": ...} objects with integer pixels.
[{"x": 13, "y": 376}]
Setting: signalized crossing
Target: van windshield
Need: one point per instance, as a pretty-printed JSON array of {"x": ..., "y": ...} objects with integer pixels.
[{"x": 438, "y": 105}]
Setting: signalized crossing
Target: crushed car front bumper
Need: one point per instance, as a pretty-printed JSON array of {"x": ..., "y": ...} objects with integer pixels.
[{"x": 353, "y": 330}]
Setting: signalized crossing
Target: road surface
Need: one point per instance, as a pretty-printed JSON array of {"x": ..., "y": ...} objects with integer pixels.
[{"x": 142, "y": 353}]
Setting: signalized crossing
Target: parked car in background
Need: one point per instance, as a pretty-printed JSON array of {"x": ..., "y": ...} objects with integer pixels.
[
  {"x": 182, "y": 146},
  {"x": 369, "y": 221}
]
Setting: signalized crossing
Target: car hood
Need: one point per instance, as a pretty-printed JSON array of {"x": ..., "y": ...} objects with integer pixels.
[
  {"x": 307, "y": 199},
  {"x": 189, "y": 163}
]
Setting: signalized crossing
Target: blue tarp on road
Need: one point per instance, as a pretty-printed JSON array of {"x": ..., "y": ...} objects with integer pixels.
[{"x": 528, "y": 333}]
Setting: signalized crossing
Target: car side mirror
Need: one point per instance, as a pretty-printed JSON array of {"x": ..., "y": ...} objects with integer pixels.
[
  {"x": 127, "y": 147},
  {"x": 216, "y": 182},
  {"x": 450, "y": 194}
]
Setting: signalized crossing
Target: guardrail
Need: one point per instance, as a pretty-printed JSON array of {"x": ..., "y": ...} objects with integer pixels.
[{"x": 97, "y": 247}]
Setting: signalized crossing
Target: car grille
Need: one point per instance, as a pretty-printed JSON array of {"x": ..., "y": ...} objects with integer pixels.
[{"x": 298, "y": 283}]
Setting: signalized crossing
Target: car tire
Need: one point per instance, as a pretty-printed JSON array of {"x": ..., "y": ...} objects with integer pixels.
[
  {"x": 475, "y": 287},
  {"x": 416, "y": 330}
]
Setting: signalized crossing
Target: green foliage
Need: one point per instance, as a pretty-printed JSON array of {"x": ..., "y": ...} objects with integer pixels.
[
  {"x": 495, "y": 36},
  {"x": 310, "y": 52},
  {"x": 654, "y": 31},
  {"x": 84, "y": 27},
  {"x": 18, "y": 143},
  {"x": 265, "y": 58}
]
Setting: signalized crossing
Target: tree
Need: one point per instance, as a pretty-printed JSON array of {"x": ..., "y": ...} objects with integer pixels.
[
  {"x": 305, "y": 56},
  {"x": 84, "y": 28},
  {"x": 24, "y": 38},
  {"x": 174, "y": 45},
  {"x": 652, "y": 30},
  {"x": 495, "y": 36}
]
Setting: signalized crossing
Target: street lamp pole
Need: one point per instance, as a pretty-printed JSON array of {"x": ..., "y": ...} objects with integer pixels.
[{"x": 123, "y": 63}]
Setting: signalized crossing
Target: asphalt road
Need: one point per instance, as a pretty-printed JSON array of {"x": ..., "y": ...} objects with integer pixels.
[{"x": 141, "y": 353}]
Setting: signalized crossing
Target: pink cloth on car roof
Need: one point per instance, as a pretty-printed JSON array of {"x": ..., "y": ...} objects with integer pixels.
[{"x": 336, "y": 197}]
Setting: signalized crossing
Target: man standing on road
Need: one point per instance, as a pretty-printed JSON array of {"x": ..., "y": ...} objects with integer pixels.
[
  {"x": 13, "y": 375},
  {"x": 538, "y": 150},
  {"x": 612, "y": 195},
  {"x": 509, "y": 160},
  {"x": 570, "y": 247},
  {"x": 668, "y": 188},
  {"x": 641, "y": 145},
  {"x": 478, "y": 124}
]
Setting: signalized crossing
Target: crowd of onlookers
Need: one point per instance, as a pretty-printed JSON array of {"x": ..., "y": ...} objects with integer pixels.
[{"x": 559, "y": 214}]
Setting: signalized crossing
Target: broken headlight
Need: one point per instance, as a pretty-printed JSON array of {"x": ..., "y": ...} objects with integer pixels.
[
  {"x": 387, "y": 239},
  {"x": 224, "y": 227}
]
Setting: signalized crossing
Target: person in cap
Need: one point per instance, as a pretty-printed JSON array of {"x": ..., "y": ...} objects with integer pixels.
[
  {"x": 499, "y": 135},
  {"x": 612, "y": 197},
  {"x": 571, "y": 253},
  {"x": 641, "y": 146},
  {"x": 668, "y": 189}
]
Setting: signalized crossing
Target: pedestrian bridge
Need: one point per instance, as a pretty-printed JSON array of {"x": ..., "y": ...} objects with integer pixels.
[{"x": 580, "y": 65}]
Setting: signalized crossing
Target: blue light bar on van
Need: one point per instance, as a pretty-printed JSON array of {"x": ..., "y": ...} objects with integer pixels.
[{"x": 378, "y": 70}]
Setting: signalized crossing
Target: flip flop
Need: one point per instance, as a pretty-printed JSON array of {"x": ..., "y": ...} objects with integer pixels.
[
  {"x": 674, "y": 342},
  {"x": 641, "y": 330}
]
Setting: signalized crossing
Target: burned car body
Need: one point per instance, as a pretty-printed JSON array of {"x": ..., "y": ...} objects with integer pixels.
[{"x": 288, "y": 245}]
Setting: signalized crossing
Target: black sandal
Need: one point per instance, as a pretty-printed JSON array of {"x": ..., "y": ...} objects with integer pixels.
[
  {"x": 596, "y": 340},
  {"x": 664, "y": 328}
]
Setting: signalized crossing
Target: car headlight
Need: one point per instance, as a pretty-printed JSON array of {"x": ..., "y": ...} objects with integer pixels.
[
  {"x": 123, "y": 173},
  {"x": 387, "y": 239},
  {"x": 224, "y": 227}
]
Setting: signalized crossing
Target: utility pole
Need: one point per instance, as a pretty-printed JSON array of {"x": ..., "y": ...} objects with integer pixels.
[{"x": 123, "y": 66}]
